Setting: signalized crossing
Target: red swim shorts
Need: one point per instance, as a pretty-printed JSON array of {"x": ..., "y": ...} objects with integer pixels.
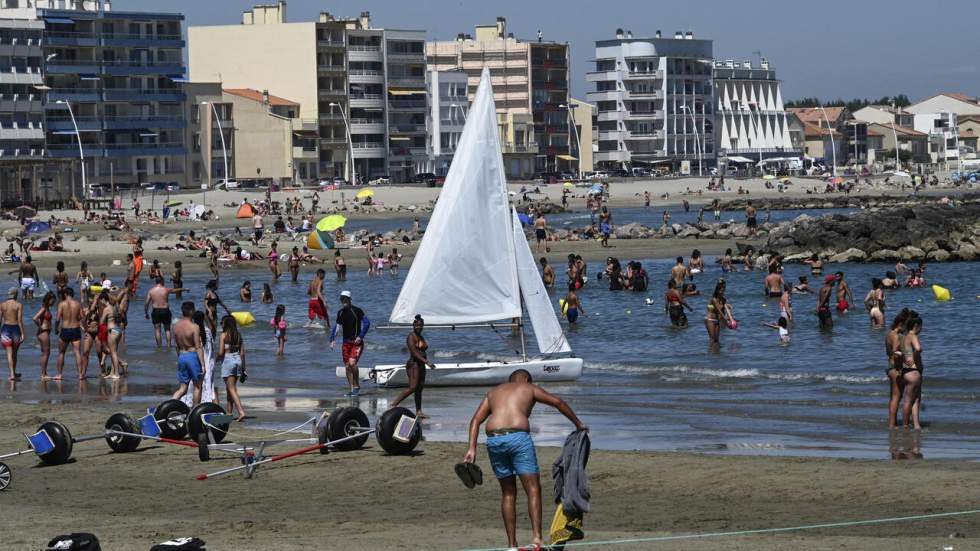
[
  {"x": 317, "y": 309},
  {"x": 351, "y": 351},
  {"x": 842, "y": 305}
]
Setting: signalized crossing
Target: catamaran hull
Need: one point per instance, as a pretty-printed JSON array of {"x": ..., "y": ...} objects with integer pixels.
[{"x": 474, "y": 374}]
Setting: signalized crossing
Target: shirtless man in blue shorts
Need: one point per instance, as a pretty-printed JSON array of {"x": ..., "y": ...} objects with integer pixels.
[
  {"x": 510, "y": 447},
  {"x": 190, "y": 350}
]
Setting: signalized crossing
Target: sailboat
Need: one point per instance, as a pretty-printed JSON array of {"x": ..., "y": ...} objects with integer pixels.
[{"x": 474, "y": 268}]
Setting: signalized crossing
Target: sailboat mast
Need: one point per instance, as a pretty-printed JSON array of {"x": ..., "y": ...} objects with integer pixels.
[{"x": 520, "y": 324}]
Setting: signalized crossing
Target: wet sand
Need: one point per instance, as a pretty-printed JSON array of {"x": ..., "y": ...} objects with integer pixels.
[{"x": 365, "y": 500}]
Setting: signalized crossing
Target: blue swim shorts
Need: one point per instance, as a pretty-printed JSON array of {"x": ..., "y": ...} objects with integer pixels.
[
  {"x": 188, "y": 368},
  {"x": 512, "y": 454}
]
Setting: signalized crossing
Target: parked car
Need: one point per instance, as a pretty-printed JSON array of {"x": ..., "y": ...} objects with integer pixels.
[
  {"x": 641, "y": 172},
  {"x": 568, "y": 175},
  {"x": 227, "y": 184},
  {"x": 620, "y": 174},
  {"x": 598, "y": 175},
  {"x": 339, "y": 181},
  {"x": 380, "y": 180},
  {"x": 425, "y": 178},
  {"x": 547, "y": 177}
]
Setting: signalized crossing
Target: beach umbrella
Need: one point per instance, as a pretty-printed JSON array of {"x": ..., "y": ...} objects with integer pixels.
[
  {"x": 173, "y": 203},
  {"x": 365, "y": 193},
  {"x": 568, "y": 184},
  {"x": 38, "y": 227},
  {"x": 245, "y": 211},
  {"x": 320, "y": 240},
  {"x": 784, "y": 179},
  {"x": 25, "y": 211},
  {"x": 199, "y": 211},
  {"x": 331, "y": 223},
  {"x": 838, "y": 180},
  {"x": 769, "y": 177}
]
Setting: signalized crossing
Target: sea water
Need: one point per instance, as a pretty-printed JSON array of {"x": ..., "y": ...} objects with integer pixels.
[{"x": 647, "y": 385}]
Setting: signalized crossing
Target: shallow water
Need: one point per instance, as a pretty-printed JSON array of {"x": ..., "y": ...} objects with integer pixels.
[{"x": 647, "y": 385}]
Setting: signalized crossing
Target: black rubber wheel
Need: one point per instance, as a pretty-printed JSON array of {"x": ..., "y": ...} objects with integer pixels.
[
  {"x": 62, "y": 440},
  {"x": 322, "y": 432},
  {"x": 203, "y": 451},
  {"x": 385, "y": 432},
  {"x": 195, "y": 423},
  {"x": 123, "y": 423},
  {"x": 345, "y": 422},
  {"x": 172, "y": 417},
  {"x": 5, "y": 476}
]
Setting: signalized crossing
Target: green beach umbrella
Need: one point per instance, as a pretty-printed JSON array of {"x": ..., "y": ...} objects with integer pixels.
[{"x": 331, "y": 223}]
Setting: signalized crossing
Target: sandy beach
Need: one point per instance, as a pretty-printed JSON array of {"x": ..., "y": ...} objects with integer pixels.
[{"x": 366, "y": 500}]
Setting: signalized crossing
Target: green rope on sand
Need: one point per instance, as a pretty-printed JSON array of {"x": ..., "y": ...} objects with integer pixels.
[{"x": 759, "y": 531}]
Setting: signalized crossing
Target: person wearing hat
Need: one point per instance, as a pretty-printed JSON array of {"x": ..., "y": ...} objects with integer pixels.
[
  {"x": 353, "y": 326},
  {"x": 823, "y": 302},
  {"x": 12, "y": 330}
]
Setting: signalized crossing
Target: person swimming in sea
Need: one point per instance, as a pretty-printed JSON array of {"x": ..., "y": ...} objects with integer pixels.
[
  {"x": 783, "y": 327},
  {"x": 573, "y": 305},
  {"x": 803, "y": 287}
]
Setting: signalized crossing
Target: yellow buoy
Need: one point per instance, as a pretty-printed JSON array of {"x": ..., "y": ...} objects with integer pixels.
[
  {"x": 942, "y": 293},
  {"x": 563, "y": 306},
  {"x": 243, "y": 318},
  {"x": 95, "y": 288}
]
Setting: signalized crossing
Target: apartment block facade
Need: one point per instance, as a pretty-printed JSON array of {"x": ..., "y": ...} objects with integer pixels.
[
  {"x": 751, "y": 119},
  {"x": 210, "y": 135},
  {"x": 341, "y": 71},
  {"x": 21, "y": 107},
  {"x": 530, "y": 87},
  {"x": 447, "y": 109}
]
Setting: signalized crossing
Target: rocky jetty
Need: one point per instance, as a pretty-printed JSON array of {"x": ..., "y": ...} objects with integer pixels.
[
  {"x": 839, "y": 201},
  {"x": 935, "y": 232}
]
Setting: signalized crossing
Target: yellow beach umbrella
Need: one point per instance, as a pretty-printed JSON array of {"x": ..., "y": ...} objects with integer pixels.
[
  {"x": 568, "y": 184},
  {"x": 331, "y": 223},
  {"x": 769, "y": 177},
  {"x": 365, "y": 193}
]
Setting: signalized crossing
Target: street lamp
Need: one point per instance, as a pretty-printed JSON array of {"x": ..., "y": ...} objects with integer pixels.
[
  {"x": 578, "y": 139},
  {"x": 833, "y": 147},
  {"x": 697, "y": 141},
  {"x": 350, "y": 142},
  {"x": 224, "y": 149},
  {"x": 81, "y": 152}
]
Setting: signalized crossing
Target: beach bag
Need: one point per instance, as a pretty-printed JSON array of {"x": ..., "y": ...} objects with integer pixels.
[
  {"x": 79, "y": 541},
  {"x": 180, "y": 544}
]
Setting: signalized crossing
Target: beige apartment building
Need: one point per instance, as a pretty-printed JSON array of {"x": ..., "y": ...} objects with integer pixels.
[
  {"x": 530, "y": 88},
  {"x": 210, "y": 135},
  {"x": 339, "y": 71},
  {"x": 584, "y": 116}
]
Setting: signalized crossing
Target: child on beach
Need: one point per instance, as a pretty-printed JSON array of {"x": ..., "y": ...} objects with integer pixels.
[
  {"x": 267, "y": 297},
  {"x": 278, "y": 323},
  {"x": 84, "y": 279},
  {"x": 783, "y": 327}
]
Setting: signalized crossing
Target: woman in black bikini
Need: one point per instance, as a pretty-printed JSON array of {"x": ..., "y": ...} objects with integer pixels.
[
  {"x": 245, "y": 293},
  {"x": 893, "y": 342},
  {"x": 415, "y": 367},
  {"x": 211, "y": 302},
  {"x": 43, "y": 320},
  {"x": 912, "y": 371}
]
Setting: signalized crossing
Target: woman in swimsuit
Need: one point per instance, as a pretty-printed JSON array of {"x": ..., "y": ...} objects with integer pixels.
[
  {"x": 340, "y": 266},
  {"x": 874, "y": 302},
  {"x": 415, "y": 367},
  {"x": 294, "y": 262},
  {"x": 278, "y": 323},
  {"x": 110, "y": 320},
  {"x": 893, "y": 353},
  {"x": 231, "y": 354},
  {"x": 211, "y": 302},
  {"x": 60, "y": 277},
  {"x": 816, "y": 265},
  {"x": 43, "y": 321},
  {"x": 245, "y": 293},
  {"x": 273, "y": 257},
  {"x": 675, "y": 305},
  {"x": 726, "y": 261},
  {"x": 155, "y": 270},
  {"x": 84, "y": 279},
  {"x": 912, "y": 371},
  {"x": 696, "y": 264},
  {"x": 137, "y": 263},
  {"x": 749, "y": 260},
  {"x": 90, "y": 336},
  {"x": 716, "y": 313},
  {"x": 267, "y": 296},
  {"x": 786, "y": 303},
  {"x": 213, "y": 264}
]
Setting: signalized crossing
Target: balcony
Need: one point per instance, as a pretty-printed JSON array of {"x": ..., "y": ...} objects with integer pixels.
[
  {"x": 24, "y": 134},
  {"x": 406, "y": 128},
  {"x": 603, "y": 76},
  {"x": 645, "y": 94},
  {"x": 71, "y": 39},
  {"x": 75, "y": 95},
  {"x": 327, "y": 68},
  {"x": 365, "y": 76},
  {"x": 20, "y": 103},
  {"x": 365, "y": 150},
  {"x": 643, "y": 115},
  {"x": 64, "y": 123},
  {"x": 140, "y": 95},
  {"x": 135, "y": 122},
  {"x": 331, "y": 93},
  {"x": 406, "y": 57},
  {"x": 616, "y": 115},
  {"x": 144, "y": 149},
  {"x": 21, "y": 47},
  {"x": 304, "y": 125},
  {"x": 643, "y": 75},
  {"x": 404, "y": 152},
  {"x": 143, "y": 67},
  {"x": 605, "y": 135},
  {"x": 67, "y": 151},
  {"x": 367, "y": 100},
  {"x": 605, "y": 95},
  {"x": 612, "y": 156},
  {"x": 509, "y": 147},
  {"x": 333, "y": 141},
  {"x": 23, "y": 153},
  {"x": 363, "y": 53},
  {"x": 645, "y": 135},
  {"x": 332, "y": 44},
  {"x": 367, "y": 126},
  {"x": 72, "y": 67},
  {"x": 143, "y": 40},
  {"x": 550, "y": 84},
  {"x": 406, "y": 104},
  {"x": 306, "y": 153}
]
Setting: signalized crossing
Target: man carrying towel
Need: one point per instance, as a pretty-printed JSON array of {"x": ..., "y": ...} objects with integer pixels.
[{"x": 510, "y": 447}]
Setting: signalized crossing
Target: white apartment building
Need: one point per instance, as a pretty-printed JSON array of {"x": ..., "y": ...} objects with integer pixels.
[
  {"x": 751, "y": 120},
  {"x": 655, "y": 101},
  {"x": 944, "y": 136},
  {"x": 448, "y": 105}
]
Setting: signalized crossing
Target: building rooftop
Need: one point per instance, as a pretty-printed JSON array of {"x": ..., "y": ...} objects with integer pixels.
[
  {"x": 814, "y": 131},
  {"x": 815, "y": 115},
  {"x": 965, "y": 118},
  {"x": 903, "y": 130},
  {"x": 957, "y": 96},
  {"x": 256, "y": 95}
]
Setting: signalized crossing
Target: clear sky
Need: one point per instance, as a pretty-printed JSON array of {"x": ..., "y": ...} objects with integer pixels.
[{"x": 829, "y": 49}]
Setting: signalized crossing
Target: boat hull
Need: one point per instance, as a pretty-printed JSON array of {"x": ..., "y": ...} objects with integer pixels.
[{"x": 474, "y": 374}]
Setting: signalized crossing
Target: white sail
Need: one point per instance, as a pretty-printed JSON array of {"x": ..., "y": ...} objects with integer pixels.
[
  {"x": 465, "y": 270},
  {"x": 551, "y": 339}
]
